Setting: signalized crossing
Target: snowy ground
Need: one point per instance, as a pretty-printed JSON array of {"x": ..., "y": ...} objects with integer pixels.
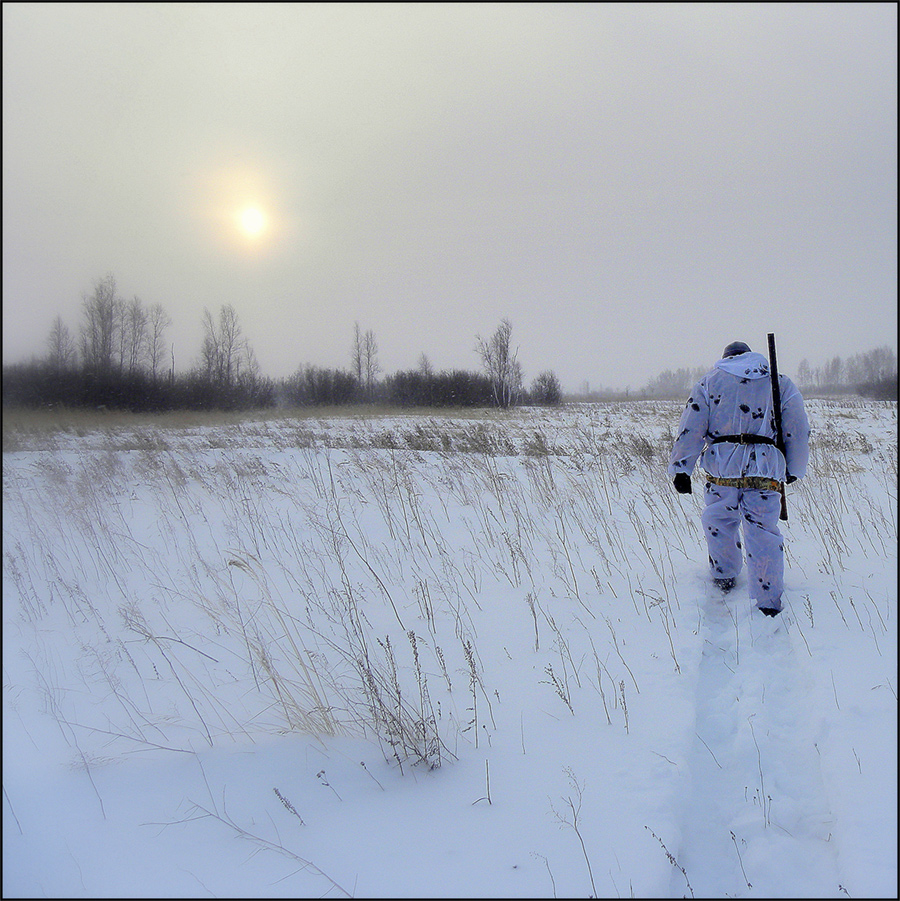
[{"x": 422, "y": 657}]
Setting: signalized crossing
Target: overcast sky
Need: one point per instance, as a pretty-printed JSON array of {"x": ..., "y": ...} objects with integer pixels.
[{"x": 633, "y": 186}]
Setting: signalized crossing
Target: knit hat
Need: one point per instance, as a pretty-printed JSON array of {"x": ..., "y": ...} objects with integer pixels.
[{"x": 735, "y": 348}]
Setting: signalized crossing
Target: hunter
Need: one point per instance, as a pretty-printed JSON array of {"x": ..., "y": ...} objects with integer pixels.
[{"x": 729, "y": 422}]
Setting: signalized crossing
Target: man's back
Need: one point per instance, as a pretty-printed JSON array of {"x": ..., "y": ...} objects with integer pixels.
[{"x": 735, "y": 398}]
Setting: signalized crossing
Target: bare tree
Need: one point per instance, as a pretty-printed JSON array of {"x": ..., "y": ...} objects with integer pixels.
[
  {"x": 357, "y": 353},
  {"x": 371, "y": 368},
  {"x": 61, "y": 346},
  {"x": 209, "y": 352},
  {"x": 157, "y": 323},
  {"x": 878, "y": 364},
  {"x": 833, "y": 371},
  {"x": 120, "y": 314},
  {"x": 99, "y": 329},
  {"x": 136, "y": 335},
  {"x": 425, "y": 367},
  {"x": 235, "y": 351},
  {"x": 224, "y": 349},
  {"x": 500, "y": 364},
  {"x": 365, "y": 359}
]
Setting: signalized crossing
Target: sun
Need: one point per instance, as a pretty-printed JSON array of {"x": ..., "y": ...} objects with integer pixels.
[{"x": 252, "y": 221}]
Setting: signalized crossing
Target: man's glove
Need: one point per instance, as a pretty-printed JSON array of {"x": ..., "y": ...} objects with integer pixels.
[
  {"x": 789, "y": 478},
  {"x": 682, "y": 483}
]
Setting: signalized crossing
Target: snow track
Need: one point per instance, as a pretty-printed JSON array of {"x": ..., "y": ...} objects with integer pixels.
[{"x": 757, "y": 809}]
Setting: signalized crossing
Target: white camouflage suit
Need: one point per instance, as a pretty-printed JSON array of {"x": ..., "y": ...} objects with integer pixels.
[{"x": 735, "y": 398}]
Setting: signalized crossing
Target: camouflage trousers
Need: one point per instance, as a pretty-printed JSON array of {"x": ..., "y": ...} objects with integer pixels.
[{"x": 733, "y": 513}]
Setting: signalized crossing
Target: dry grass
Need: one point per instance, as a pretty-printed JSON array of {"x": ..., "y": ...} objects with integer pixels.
[{"x": 332, "y": 573}]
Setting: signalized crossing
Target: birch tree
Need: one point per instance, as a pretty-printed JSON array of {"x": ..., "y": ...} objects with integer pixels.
[
  {"x": 500, "y": 364},
  {"x": 224, "y": 350},
  {"x": 100, "y": 326},
  {"x": 61, "y": 346},
  {"x": 157, "y": 323}
]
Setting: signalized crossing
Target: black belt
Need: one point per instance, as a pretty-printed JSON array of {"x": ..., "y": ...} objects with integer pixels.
[{"x": 742, "y": 439}]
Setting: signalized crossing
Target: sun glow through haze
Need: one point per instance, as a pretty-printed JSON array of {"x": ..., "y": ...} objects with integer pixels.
[{"x": 252, "y": 221}]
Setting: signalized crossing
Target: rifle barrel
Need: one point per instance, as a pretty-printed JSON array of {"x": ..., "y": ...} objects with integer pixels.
[{"x": 776, "y": 404}]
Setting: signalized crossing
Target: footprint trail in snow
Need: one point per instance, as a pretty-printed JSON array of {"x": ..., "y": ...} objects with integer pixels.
[{"x": 756, "y": 820}]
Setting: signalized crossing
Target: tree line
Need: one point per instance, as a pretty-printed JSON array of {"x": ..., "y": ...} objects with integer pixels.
[
  {"x": 120, "y": 359},
  {"x": 872, "y": 373}
]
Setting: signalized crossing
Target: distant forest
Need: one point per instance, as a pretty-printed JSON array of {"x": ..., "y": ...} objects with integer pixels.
[
  {"x": 119, "y": 359},
  {"x": 870, "y": 374}
]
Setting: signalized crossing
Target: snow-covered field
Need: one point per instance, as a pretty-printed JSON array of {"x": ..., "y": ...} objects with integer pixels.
[{"x": 418, "y": 656}]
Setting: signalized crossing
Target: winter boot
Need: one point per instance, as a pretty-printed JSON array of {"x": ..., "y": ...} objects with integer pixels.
[
  {"x": 724, "y": 584},
  {"x": 768, "y": 611}
]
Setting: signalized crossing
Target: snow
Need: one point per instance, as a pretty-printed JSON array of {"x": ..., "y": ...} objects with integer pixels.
[{"x": 196, "y": 618}]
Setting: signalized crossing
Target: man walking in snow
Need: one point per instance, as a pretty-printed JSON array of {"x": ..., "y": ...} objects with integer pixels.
[{"x": 729, "y": 423}]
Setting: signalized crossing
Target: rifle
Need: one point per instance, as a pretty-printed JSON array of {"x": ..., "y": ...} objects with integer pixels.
[{"x": 776, "y": 403}]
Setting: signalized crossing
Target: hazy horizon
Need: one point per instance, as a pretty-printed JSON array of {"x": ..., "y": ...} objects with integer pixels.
[{"x": 632, "y": 185}]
